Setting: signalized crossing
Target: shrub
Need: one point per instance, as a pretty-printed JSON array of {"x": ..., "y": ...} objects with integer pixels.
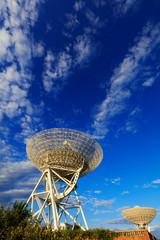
[{"x": 16, "y": 223}]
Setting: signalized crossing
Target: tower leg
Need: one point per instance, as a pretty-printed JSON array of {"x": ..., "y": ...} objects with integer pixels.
[
  {"x": 81, "y": 210},
  {"x": 53, "y": 202}
]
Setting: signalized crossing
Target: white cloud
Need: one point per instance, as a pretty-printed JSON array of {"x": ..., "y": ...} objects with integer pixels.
[
  {"x": 147, "y": 185},
  {"x": 121, "y": 7},
  {"x": 152, "y": 184},
  {"x": 95, "y": 220},
  {"x": 116, "y": 181},
  {"x": 15, "y": 195},
  {"x": 56, "y": 70},
  {"x": 103, "y": 211},
  {"x": 149, "y": 82},
  {"x": 17, "y": 192},
  {"x": 122, "y": 208},
  {"x": 124, "y": 77},
  {"x": 118, "y": 221},
  {"x": 78, "y": 52},
  {"x": 94, "y": 20},
  {"x": 5, "y": 148},
  {"x": 5, "y": 41},
  {"x": 104, "y": 203},
  {"x": 22, "y": 47},
  {"x": 14, "y": 175},
  {"x": 79, "y": 5},
  {"x": 94, "y": 202},
  {"x": 97, "y": 192},
  {"x": 156, "y": 181},
  {"x": 155, "y": 230},
  {"x": 38, "y": 49},
  {"x": 113, "y": 181},
  {"x": 125, "y": 192},
  {"x": 16, "y": 46},
  {"x": 31, "y": 182},
  {"x": 130, "y": 124},
  {"x": 99, "y": 3},
  {"x": 83, "y": 198},
  {"x": 72, "y": 21},
  {"x": 84, "y": 49},
  {"x": 127, "y": 5},
  {"x": 13, "y": 90},
  {"x": 12, "y": 170}
]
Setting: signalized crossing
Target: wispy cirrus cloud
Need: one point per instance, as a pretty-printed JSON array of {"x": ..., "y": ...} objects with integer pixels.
[
  {"x": 113, "y": 180},
  {"x": 101, "y": 211},
  {"x": 153, "y": 184},
  {"x": 122, "y": 208},
  {"x": 79, "y": 5},
  {"x": 57, "y": 68},
  {"x": 14, "y": 175},
  {"x": 99, "y": 3},
  {"x": 96, "y": 204},
  {"x": 155, "y": 230},
  {"x": 131, "y": 74},
  {"x": 125, "y": 192},
  {"x": 84, "y": 50},
  {"x": 156, "y": 181},
  {"x": 17, "y": 112},
  {"x": 72, "y": 21},
  {"x": 104, "y": 203},
  {"x": 76, "y": 54},
  {"x": 121, "y": 7},
  {"x": 38, "y": 49},
  {"x": 94, "y": 20},
  {"x": 97, "y": 191},
  {"x": 130, "y": 124},
  {"x": 17, "y": 49},
  {"x": 96, "y": 220},
  {"x": 14, "y": 170},
  {"x": 20, "y": 194},
  {"x": 81, "y": 49},
  {"x": 118, "y": 221}
]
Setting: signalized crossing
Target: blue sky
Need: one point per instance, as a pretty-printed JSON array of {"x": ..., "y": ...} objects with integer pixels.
[{"x": 92, "y": 66}]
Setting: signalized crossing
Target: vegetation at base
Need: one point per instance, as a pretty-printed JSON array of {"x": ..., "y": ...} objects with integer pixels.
[{"x": 17, "y": 223}]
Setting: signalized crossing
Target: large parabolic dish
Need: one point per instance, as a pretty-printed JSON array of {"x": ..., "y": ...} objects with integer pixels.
[
  {"x": 140, "y": 216},
  {"x": 64, "y": 150},
  {"x": 62, "y": 155}
]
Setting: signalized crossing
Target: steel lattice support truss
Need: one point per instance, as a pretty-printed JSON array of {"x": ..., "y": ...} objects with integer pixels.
[{"x": 53, "y": 203}]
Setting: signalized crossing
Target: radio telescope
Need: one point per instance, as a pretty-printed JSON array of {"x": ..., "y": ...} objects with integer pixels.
[
  {"x": 63, "y": 156},
  {"x": 140, "y": 216}
]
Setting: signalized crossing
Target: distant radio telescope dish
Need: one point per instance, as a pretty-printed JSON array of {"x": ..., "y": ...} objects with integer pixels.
[
  {"x": 62, "y": 155},
  {"x": 140, "y": 216}
]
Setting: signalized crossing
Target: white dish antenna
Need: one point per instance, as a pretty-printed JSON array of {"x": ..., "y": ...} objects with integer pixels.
[
  {"x": 62, "y": 155},
  {"x": 140, "y": 216}
]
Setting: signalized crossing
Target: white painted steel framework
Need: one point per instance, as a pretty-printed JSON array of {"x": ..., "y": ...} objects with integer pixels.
[
  {"x": 62, "y": 155},
  {"x": 52, "y": 203}
]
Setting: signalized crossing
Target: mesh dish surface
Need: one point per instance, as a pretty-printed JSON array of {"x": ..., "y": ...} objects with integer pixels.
[
  {"x": 140, "y": 215},
  {"x": 64, "y": 149}
]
